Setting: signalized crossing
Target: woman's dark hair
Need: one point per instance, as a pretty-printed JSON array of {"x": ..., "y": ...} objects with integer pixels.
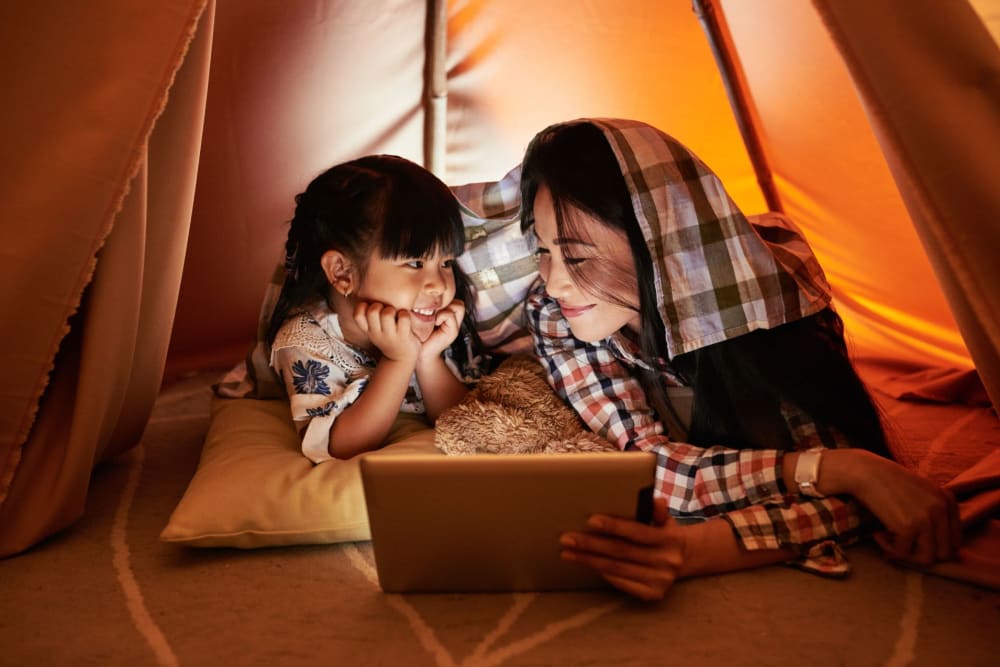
[
  {"x": 739, "y": 384},
  {"x": 380, "y": 204}
]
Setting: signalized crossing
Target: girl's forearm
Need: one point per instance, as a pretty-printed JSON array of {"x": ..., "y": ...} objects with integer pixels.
[
  {"x": 439, "y": 386},
  {"x": 364, "y": 425},
  {"x": 711, "y": 547}
]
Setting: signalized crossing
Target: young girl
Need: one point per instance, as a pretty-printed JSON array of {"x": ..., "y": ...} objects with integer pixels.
[
  {"x": 654, "y": 279},
  {"x": 369, "y": 317}
]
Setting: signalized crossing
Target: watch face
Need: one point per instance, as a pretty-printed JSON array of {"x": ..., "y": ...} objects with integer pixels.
[{"x": 807, "y": 472}]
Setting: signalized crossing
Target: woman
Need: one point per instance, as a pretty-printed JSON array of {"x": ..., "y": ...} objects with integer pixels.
[{"x": 653, "y": 278}]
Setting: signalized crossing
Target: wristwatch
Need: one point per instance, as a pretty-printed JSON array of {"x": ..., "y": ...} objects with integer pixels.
[{"x": 807, "y": 472}]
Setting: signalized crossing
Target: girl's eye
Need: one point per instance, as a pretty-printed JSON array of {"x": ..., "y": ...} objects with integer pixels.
[
  {"x": 448, "y": 264},
  {"x": 415, "y": 264}
]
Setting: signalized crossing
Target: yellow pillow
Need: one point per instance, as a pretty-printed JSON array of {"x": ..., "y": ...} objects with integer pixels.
[{"x": 254, "y": 488}]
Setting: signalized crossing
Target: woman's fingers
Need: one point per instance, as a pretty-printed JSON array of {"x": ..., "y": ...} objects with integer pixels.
[
  {"x": 646, "y": 582},
  {"x": 630, "y": 530},
  {"x": 955, "y": 522},
  {"x": 920, "y": 518},
  {"x": 637, "y": 589},
  {"x": 945, "y": 548},
  {"x": 622, "y": 550},
  {"x": 639, "y": 559}
]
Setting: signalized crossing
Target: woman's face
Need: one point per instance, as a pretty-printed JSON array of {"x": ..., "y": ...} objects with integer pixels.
[{"x": 591, "y": 316}]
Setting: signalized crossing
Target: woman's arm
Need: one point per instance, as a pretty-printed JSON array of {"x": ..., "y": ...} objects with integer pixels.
[
  {"x": 920, "y": 518},
  {"x": 697, "y": 481},
  {"x": 645, "y": 560},
  {"x": 706, "y": 482}
]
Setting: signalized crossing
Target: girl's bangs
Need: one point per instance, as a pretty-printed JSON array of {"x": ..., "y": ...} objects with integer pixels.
[{"x": 419, "y": 234}]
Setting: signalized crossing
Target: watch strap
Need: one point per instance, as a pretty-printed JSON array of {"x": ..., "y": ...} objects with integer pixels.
[{"x": 807, "y": 472}]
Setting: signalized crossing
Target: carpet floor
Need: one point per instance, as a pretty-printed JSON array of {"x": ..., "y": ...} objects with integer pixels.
[{"x": 109, "y": 592}]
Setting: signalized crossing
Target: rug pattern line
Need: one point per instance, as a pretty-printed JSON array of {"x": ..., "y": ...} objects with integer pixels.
[
  {"x": 122, "y": 561},
  {"x": 481, "y": 656},
  {"x": 904, "y": 652}
]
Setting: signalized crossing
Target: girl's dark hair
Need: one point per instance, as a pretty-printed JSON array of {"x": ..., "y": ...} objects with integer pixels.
[
  {"x": 376, "y": 204},
  {"x": 739, "y": 384}
]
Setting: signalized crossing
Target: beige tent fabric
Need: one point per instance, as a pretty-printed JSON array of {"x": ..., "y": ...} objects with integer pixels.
[
  {"x": 930, "y": 79},
  {"x": 95, "y": 196},
  {"x": 832, "y": 180},
  {"x": 296, "y": 87}
]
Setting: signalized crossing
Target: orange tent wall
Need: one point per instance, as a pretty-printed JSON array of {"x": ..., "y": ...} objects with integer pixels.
[{"x": 296, "y": 90}]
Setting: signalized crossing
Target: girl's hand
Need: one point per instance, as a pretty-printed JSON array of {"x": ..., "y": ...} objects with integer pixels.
[
  {"x": 639, "y": 559},
  {"x": 446, "y": 328},
  {"x": 388, "y": 329},
  {"x": 920, "y": 518}
]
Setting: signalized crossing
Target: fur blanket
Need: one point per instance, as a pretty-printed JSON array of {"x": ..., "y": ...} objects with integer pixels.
[{"x": 514, "y": 411}]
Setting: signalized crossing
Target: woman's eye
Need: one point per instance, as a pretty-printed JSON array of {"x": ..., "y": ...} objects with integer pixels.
[{"x": 572, "y": 261}]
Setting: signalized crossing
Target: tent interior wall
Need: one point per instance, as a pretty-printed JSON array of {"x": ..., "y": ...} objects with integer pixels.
[
  {"x": 293, "y": 104},
  {"x": 129, "y": 120}
]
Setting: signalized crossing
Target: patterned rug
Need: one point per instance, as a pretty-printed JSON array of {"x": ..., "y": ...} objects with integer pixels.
[{"x": 108, "y": 592}]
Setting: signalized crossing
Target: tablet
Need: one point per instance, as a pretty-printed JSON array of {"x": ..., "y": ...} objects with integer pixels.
[{"x": 492, "y": 522}]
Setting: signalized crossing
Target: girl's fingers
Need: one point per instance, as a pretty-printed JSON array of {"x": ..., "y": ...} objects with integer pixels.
[
  {"x": 361, "y": 315},
  {"x": 401, "y": 322},
  {"x": 453, "y": 312},
  {"x": 387, "y": 319}
]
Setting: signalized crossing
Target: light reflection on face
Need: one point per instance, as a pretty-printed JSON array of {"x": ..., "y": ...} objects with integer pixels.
[{"x": 591, "y": 316}]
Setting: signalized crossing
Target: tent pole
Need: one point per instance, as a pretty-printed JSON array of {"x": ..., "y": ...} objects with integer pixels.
[
  {"x": 712, "y": 23},
  {"x": 436, "y": 87}
]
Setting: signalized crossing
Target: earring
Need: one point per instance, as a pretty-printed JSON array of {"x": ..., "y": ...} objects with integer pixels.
[{"x": 347, "y": 293}]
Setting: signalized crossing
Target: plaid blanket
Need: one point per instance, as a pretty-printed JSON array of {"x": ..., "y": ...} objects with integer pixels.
[{"x": 718, "y": 276}]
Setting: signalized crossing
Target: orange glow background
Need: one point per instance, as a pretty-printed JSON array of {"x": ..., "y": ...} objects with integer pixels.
[{"x": 299, "y": 87}]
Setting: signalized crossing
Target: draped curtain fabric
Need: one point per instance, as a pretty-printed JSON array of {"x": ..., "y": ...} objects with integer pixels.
[
  {"x": 102, "y": 133},
  {"x": 928, "y": 74}
]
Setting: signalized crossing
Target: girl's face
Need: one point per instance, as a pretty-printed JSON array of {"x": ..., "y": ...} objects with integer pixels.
[
  {"x": 590, "y": 315},
  {"x": 420, "y": 285}
]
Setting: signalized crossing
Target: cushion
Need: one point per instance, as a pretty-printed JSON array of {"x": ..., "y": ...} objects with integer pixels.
[
  {"x": 254, "y": 488},
  {"x": 498, "y": 259}
]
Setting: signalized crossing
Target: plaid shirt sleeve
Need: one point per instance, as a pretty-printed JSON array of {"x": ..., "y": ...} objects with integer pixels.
[{"x": 744, "y": 486}]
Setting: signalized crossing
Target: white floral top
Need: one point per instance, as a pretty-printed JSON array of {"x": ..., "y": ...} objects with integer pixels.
[{"x": 323, "y": 374}]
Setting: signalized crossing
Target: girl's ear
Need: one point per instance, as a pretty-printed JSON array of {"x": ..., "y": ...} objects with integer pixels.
[{"x": 339, "y": 271}]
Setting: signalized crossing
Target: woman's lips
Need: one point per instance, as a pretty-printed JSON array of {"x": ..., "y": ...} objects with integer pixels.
[{"x": 574, "y": 311}]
